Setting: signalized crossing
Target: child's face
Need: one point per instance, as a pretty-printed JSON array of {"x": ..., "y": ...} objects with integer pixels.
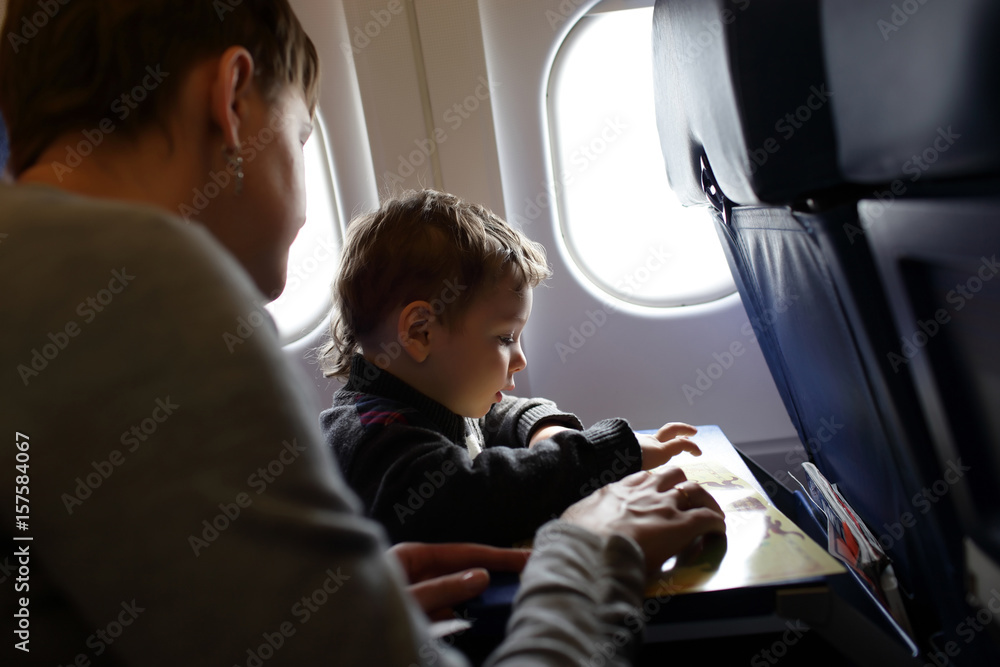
[{"x": 477, "y": 360}]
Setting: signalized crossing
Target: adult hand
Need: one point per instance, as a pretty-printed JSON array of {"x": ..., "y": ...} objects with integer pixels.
[
  {"x": 442, "y": 575},
  {"x": 669, "y": 441},
  {"x": 660, "y": 510}
]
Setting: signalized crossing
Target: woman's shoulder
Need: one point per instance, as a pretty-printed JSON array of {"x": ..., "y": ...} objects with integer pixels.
[
  {"x": 69, "y": 220},
  {"x": 71, "y": 237},
  {"x": 141, "y": 276}
]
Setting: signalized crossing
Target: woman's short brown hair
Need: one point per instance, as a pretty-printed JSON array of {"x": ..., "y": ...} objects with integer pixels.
[
  {"x": 69, "y": 65},
  {"x": 421, "y": 246}
]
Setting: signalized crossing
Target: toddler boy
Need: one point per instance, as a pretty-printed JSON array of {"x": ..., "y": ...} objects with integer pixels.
[{"x": 430, "y": 301}]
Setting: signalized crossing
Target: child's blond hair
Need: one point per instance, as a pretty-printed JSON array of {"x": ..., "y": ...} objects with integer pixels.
[{"x": 421, "y": 246}]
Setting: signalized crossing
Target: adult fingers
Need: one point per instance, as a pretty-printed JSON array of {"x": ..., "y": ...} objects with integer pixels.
[
  {"x": 438, "y": 595},
  {"x": 694, "y": 496},
  {"x": 422, "y": 561},
  {"x": 665, "y": 479}
]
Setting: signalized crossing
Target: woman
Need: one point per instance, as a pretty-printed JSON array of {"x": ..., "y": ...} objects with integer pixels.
[{"x": 181, "y": 506}]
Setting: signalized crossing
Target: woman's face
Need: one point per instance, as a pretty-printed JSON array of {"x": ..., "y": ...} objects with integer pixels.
[{"x": 268, "y": 214}]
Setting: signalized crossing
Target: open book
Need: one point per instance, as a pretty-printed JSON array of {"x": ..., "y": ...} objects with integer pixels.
[
  {"x": 761, "y": 546},
  {"x": 763, "y": 572}
]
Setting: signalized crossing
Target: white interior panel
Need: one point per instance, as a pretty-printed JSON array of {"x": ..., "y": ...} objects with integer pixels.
[
  {"x": 385, "y": 93},
  {"x": 636, "y": 362},
  {"x": 459, "y": 92}
]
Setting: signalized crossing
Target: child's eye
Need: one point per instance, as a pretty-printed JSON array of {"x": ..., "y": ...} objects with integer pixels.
[{"x": 506, "y": 340}]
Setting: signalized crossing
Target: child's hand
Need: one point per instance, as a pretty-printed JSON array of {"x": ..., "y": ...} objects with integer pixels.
[{"x": 668, "y": 442}]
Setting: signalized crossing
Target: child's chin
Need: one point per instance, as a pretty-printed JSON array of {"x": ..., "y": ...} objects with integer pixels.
[
  {"x": 471, "y": 411},
  {"x": 482, "y": 412}
]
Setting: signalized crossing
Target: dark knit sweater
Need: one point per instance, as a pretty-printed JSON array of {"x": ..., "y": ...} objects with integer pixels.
[{"x": 406, "y": 456}]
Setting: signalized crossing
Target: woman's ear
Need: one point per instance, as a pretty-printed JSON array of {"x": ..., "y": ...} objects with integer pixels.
[
  {"x": 414, "y": 329},
  {"x": 231, "y": 89}
]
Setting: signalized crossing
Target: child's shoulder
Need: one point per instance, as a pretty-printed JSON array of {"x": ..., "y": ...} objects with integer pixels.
[
  {"x": 379, "y": 411},
  {"x": 372, "y": 411}
]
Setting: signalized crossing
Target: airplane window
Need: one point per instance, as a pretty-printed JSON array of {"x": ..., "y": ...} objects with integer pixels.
[
  {"x": 622, "y": 225},
  {"x": 314, "y": 256}
]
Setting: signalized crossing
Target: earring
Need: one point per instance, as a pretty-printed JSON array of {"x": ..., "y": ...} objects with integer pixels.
[{"x": 234, "y": 164}]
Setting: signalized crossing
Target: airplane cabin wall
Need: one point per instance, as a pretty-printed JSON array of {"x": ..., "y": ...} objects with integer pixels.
[{"x": 453, "y": 96}]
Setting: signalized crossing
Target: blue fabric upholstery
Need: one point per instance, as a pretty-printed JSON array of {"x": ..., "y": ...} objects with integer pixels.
[{"x": 4, "y": 145}]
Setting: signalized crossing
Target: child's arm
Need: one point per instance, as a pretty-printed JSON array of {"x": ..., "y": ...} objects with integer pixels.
[
  {"x": 516, "y": 422},
  {"x": 519, "y": 422},
  {"x": 422, "y": 486},
  {"x": 544, "y": 432},
  {"x": 657, "y": 449}
]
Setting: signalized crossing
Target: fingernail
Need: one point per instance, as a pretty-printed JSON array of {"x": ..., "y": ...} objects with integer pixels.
[{"x": 476, "y": 579}]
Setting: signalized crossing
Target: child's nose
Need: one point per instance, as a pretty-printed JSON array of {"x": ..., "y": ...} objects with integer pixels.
[{"x": 518, "y": 361}]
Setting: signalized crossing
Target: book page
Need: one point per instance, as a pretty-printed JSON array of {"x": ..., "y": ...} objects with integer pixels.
[{"x": 761, "y": 545}]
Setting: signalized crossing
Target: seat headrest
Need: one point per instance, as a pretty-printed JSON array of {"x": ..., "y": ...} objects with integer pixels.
[
  {"x": 787, "y": 99},
  {"x": 742, "y": 82}
]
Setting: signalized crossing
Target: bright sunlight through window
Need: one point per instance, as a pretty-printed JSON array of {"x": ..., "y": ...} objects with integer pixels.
[
  {"x": 314, "y": 256},
  {"x": 622, "y": 224}
]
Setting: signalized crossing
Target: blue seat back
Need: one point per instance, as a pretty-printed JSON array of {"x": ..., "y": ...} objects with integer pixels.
[{"x": 758, "y": 118}]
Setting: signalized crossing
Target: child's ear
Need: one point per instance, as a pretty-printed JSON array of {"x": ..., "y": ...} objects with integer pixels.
[{"x": 413, "y": 329}]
